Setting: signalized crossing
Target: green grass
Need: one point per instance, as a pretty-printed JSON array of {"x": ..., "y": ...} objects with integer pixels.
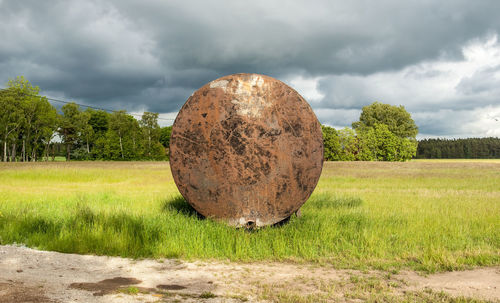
[
  {"x": 207, "y": 295},
  {"x": 423, "y": 215},
  {"x": 356, "y": 289},
  {"x": 56, "y": 159},
  {"x": 131, "y": 290}
]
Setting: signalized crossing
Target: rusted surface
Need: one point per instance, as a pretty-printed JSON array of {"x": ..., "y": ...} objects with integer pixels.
[{"x": 246, "y": 149}]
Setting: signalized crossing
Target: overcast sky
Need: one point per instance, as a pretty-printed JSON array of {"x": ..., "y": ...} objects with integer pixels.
[{"x": 440, "y": 59}]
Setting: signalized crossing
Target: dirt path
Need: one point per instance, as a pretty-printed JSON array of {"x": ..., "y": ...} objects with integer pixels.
[{"x": 28, "y": 275}]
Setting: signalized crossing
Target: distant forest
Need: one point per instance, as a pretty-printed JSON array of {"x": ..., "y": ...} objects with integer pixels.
[{"x": 471, "y": 148}]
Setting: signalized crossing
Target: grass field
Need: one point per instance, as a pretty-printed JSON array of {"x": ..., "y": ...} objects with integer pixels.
[{"x": 424, "y": 215}]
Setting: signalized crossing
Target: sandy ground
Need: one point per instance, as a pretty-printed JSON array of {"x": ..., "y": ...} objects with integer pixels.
[{"x": 28, "y": 275}]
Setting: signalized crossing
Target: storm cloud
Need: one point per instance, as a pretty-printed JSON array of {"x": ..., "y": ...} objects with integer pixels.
[{"x": 441, "y": 60}]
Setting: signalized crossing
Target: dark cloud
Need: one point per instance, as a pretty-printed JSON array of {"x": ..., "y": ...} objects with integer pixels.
[
  {"x": 484, "y": 81},
  {"x": 151, "y": 55}
]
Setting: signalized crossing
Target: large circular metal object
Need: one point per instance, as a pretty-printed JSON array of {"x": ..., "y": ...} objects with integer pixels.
[{"x": 246, "y": 149}]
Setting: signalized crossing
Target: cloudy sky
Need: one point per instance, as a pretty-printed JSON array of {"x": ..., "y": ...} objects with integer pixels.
[{"x": 440, "y": 59}]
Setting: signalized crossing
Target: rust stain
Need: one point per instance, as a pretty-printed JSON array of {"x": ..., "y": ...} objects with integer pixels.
[{"x": 246, "y": 149}]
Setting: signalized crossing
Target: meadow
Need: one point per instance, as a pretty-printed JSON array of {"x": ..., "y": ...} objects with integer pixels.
[{"x": 426, "y": 215}]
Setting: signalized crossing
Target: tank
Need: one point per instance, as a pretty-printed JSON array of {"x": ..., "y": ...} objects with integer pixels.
[{"x": 246, "y": 149}]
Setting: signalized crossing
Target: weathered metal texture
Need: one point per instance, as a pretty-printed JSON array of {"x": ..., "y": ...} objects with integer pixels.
[{"x": 246, "y": 149}]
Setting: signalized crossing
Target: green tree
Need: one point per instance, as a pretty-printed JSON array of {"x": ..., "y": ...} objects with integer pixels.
[
  {"x": 35, "y": 119},
  {"x": 348, "y": 144},
  {"x": 99, "y": 122},
  {"x": 42, "y": 128},
  {"x": 151, "y": 130},
  {"x": 165, "y": 134},
  {"x": 136, "y": 136},
  {"x": 118, "y": 123},
  {"x": 383, "y": 145},
  {"x": 32, "y": 107},
  {"x": 72, "y": 125},
  {"x": 386, "y": 143},
  {"x": 397, "y": 119},
  {"x": 331, "y": 143},
  {"x": 87, "y": 131},
  {"x": 50, "y": 130},
  {"x": 11, "y": 116},
  {"x": 368, "y": 145},
  {"x": 387, "y": 133},
  {"x": 125, "y": 133},
  {"x": 407, "y": 149},
  {"x": 459, "y": 148}
]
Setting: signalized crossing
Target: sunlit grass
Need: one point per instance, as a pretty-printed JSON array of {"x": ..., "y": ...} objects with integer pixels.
[{"x": 425, "y": 215}]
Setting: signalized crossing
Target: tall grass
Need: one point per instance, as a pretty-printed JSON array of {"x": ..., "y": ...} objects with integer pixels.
[{"x": 423, "y": 215}]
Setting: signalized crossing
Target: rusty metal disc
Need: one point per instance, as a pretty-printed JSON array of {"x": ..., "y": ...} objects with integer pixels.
[{"x": 246, "y": 149}]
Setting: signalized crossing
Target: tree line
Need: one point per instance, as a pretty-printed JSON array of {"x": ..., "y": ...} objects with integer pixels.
[
  {"x": 32, "y": 129},
  {"x": 383, "y": 133},
  {"x": 470, "y": 148},
  {"x": 29, "y": 124}
]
